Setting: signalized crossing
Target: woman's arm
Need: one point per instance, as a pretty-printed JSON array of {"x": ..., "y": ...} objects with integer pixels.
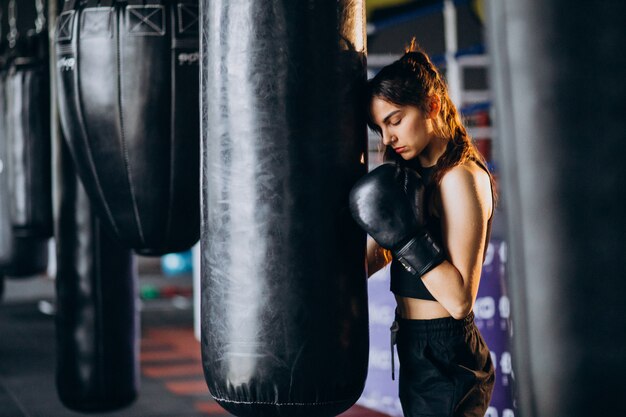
[
  {"x": 377, "y": 257},
  {"x": 466, "y": 205}
]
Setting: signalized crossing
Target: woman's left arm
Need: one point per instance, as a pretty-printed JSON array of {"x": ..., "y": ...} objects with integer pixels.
[{"x": 466, "y": 205}]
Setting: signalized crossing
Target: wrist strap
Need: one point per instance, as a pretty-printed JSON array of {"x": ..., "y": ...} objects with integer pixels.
[{"x": 420, "y": 254}]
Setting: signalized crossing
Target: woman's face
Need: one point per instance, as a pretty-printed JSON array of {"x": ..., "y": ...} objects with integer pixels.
[{"x": 407, "y": 129}]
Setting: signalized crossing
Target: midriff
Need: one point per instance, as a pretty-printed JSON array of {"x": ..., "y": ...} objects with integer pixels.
[{"x": 416, "y": 309}]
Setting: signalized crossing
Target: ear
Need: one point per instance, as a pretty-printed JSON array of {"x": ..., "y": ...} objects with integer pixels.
[{"x": 434, "y": 106}]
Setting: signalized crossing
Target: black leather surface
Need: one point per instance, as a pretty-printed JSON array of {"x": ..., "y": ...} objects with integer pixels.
[
  {"x": 27, "y": 120},
  {"x": 284, "y": 309},
  {"x": 20, "y": 255},
  {"x": 97, "y": 319},
  {"x": 129, "y": 105},
  {"x": 6, "y": 233},
  {"x": 560, "y": 97}
]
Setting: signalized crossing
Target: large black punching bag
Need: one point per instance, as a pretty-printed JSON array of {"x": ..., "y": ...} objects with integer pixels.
[
  {"x": 558, "y": 72},
  {"x": 284, "y": 309},
  {"x": 128, "y": 86},
  {"x": 28, "y": 121},
  {"x": 97, "y": 320}
]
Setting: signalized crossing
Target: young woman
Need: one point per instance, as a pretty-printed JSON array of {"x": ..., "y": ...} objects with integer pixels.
[{"x": 428, "y": 210}]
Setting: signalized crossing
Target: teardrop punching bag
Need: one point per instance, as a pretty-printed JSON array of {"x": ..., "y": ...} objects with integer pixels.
[
  {"x": 28, "y": 121},
  {"x": 558, "y": 72},
  {"x": 128, "y": 86},
  {"x": 284, "y": 303},
  {"x": 97, "y": 320}
]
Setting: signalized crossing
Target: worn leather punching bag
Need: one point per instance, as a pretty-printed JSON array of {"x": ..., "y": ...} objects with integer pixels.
[
  {"x": 284, "y": 310},
  {"x": 558, "y": 72},
  {"x": 23, "y": 248},
  {"x": 28, "y": 121},
  {"x": 129, "y": 105},
  {"x": 97, "y": 320}
]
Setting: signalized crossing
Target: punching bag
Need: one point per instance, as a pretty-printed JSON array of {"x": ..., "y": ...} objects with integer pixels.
[
  {"x": 284, "y": 308},
  {"x": 28, "y": 120},
  {"x": 128, "y": 85},
  {"x": 20, "y": 255},
  {"x": 558, "y": 72},
  {"x": 6, "y": 233},
  {"x": 5, "y": 240},
  {"x": 97, "y": 319}
]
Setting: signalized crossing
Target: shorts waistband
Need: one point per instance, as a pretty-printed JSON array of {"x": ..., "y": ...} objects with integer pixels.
[{"x": 446, "y": 325}]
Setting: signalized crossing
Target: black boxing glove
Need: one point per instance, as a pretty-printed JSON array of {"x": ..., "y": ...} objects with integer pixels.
[{"x": 388, "y": 204}]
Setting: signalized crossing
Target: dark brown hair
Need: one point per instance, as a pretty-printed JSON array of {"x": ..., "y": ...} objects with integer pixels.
[{"x": 413, "y": 80}]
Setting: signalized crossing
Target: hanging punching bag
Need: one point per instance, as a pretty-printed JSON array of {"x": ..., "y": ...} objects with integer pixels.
[
  {"x": 5, "y": 222},
  {"x": 20, "y": 255},
  {"x": 284, "y": 309},
  {"x": 97, "y": 320},
  {"x": 558, "y": 72},
  {"x": 129, "y": 106},
  {"x": 28, "y": 121}
]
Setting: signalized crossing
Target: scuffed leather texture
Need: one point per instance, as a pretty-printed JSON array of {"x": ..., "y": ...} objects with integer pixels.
[
  {"x": 284, "y": 305},
  {"x": 28, "y": 123},
  {"x": 97, "y": 320},
  {"x": 128, "y": 84}
]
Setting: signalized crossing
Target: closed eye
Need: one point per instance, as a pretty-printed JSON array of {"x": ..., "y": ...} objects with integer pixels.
[{"x": 395, "y": 123}]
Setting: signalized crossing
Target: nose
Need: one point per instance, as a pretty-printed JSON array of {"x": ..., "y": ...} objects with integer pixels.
[{"x": 388, "y": 138}]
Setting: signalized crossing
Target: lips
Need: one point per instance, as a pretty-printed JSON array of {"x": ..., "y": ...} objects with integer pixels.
[{"x": 400, "y": 149}]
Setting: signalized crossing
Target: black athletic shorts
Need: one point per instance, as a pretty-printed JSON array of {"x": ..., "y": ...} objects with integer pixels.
[{"x": 445, "y": 368}]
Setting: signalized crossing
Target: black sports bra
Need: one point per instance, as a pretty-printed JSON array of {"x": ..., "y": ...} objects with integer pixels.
[{"x": 405, "y": 284}]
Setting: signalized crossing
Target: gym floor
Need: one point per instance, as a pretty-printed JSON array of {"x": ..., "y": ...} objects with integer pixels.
[{"x": 172, "y": 383}]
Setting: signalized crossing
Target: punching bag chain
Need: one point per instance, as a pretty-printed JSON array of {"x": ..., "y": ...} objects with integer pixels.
[
  {"x": 40, "y": 21},
  {"x": 12, "y": 37}
]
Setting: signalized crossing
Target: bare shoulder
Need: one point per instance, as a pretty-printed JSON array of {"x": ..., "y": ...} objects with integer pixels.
[
  {"x": 468, "y": 182},
  {"x": 465, "y": 174}
]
